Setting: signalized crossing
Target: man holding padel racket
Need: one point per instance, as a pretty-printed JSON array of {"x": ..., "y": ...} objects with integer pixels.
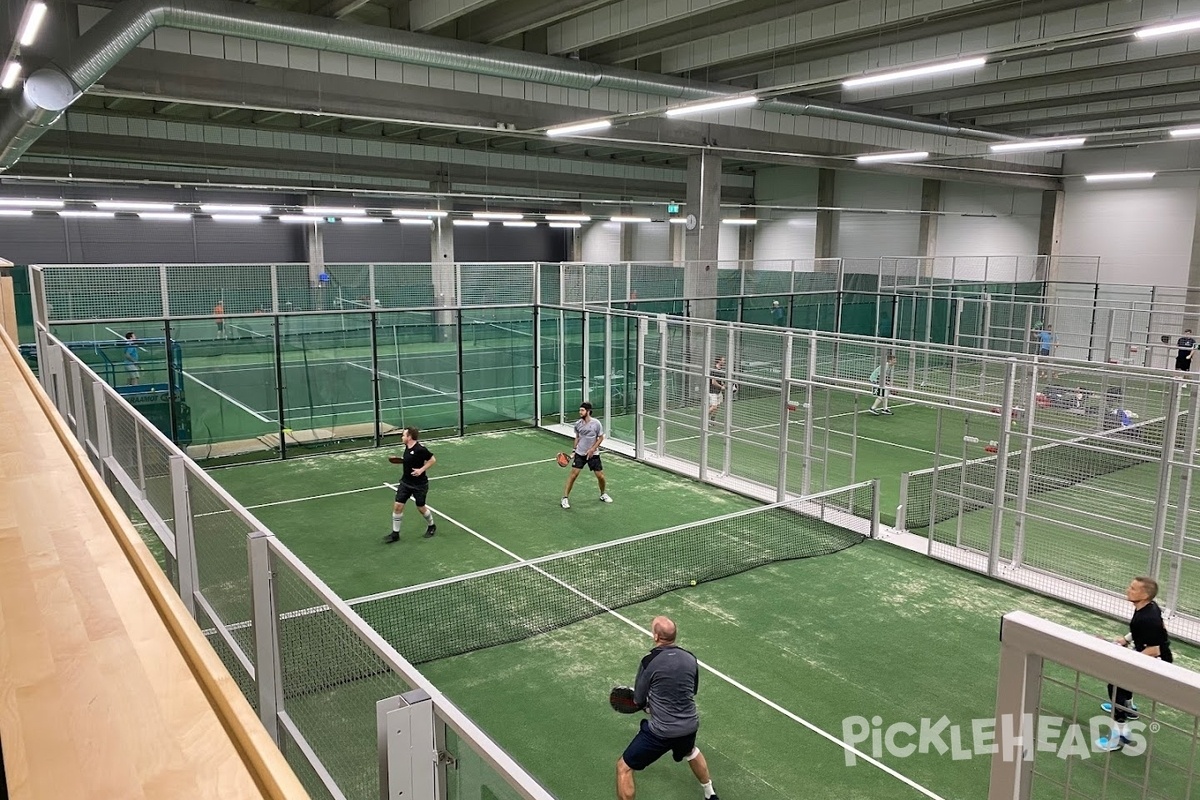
[
  {"x": 666, "y": 685},
  {"x": 414, "y": 483}
]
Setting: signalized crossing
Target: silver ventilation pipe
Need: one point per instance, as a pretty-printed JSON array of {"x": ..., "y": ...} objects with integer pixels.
[{"x": 50, "y": 91}]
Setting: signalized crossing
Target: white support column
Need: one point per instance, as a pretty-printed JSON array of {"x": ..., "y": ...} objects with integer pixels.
[
  {"x": 1001, "y": 482},
  {"x": 411, "y": 743},
  {"x": 268, "y": 675},
  {"x": 639, "y": 427},
  {"x": 785, "y": 394},
  {"x": 185, "y": 541}
]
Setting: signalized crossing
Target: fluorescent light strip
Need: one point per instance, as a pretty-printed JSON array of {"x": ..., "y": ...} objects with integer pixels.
[
  {"x": 15, "y": 212},
  {"x": 1118, "y": 176},
  {"x": 740, "y": 221},
  {"x": 525, "y": 224},
  {"x": 121, "y": 205},
  {"x": 417, "y": 212},
  {"x": 12, "y": 71},
  {"x": 580, "y": 127},
  {"x": 716, "y": 105},
  {"x": 330, "y": 211},
  {"x": 1183, "y": 133},
  {"x": 1168, "y": 29},
  {"x": 225, "y": 209},
  {"x": 915, "y": 72},
  {"x": 566, "y": 225},
  {"x": 361, "y": 220},
  {"x": 235, "y": 218},
  {"x": 1038, "y": 144},
  {"x": 471, "y": 223},
  {"x": 883, "y": 158},
  {"x": 33, "y": 24},
  {"x": 30, "y": 203},
  {"x": 624, "y": 220},
  {"x": 296, "y": 218},
  {"x": 568, "y": 218},
  {"x": 496, "y": 215},
  {"x": 677, "y": 221},
  {"x": 423, "y": 222},
  {"x": 164, "y": 215},
  {"x": 87, "y": 214}
]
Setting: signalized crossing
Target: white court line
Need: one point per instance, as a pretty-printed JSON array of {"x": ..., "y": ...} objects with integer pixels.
[
  {"x": 731, "y": 681},
  {"x": 392, "y": 485},
  {"x": 240, "y": 405}
]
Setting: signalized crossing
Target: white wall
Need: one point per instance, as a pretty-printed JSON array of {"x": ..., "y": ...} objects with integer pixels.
[
  {"x": 601, "y": 242},
  {"x": 1142, "y": 231},
  {"x": 1011, "y": 227},
  {"x": 788, "y": 234},
  {"x": 872, "y": 235}
]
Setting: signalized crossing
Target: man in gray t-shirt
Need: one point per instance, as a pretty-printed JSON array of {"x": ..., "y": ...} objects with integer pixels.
[
  {"x": 666, "y": 685},
  {"x": 589, "y": 433}
]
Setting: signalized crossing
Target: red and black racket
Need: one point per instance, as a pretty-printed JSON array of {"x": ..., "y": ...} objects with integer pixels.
[
  {"x": 395, "y": 460},
  {"x": 621, "y": 699},
  {"x": 562, "y": 459}
]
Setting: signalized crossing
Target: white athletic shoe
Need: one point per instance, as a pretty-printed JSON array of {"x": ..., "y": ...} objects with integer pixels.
[
  {"x": 565, "y": 503},
  {"x": 605, "y": 498}
]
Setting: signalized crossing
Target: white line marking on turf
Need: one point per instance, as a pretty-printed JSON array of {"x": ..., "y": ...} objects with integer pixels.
[
  {"x": 240, "y": 405},
  {"x": 392, "y": 486},
  {"x": 731, "y": 681}
]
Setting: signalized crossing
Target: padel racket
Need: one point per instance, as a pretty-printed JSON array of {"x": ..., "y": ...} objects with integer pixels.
[
  {"x": 562, "y": 459},
  {"x": 395, "y": 460},
  {"x": 621, "y": 699}
]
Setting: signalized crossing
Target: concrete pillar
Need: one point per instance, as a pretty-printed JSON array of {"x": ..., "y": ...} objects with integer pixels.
[
  {"x": 1191, "y": 317},
  {"x": 1050, "y": 230},
  {"x": 700, "y": 242},
  {"x": 931, "y": 202},
  {"x": 826, "y": 232},
  {"x": 441, "y": 260},
  {"x": 627, "y": 234}
]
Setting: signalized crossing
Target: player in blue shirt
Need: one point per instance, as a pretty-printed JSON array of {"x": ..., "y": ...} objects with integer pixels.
[{"x": 131, "y": 359}]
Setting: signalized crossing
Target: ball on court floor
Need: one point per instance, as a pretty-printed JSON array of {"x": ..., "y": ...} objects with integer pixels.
[{"x": 693, "y": 583}]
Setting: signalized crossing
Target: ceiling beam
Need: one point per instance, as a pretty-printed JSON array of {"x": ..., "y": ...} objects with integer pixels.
[
  {"x": 341, "y": 8},
  {"x": 514, "y": 17}
]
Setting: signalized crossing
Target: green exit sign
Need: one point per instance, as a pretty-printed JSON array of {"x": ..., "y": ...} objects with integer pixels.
[{"x": 672, "y": 208}]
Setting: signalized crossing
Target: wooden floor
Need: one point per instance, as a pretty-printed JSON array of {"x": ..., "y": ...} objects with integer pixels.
[{"x": 101, "y": 694}]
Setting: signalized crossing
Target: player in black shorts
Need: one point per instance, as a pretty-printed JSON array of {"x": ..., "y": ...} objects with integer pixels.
[
  {"x": 414, "y": 483},
  {"x": 1148, "y": 635},
  {"x": 667, "y": 681},
  {"x": 1187, "y": 346}
]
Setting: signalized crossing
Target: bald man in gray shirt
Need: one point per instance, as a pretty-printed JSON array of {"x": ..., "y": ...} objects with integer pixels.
[{"x": 666, "y": 686}]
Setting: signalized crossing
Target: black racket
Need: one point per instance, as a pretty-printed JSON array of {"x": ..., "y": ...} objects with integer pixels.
[{"x": 621, "y": 699}]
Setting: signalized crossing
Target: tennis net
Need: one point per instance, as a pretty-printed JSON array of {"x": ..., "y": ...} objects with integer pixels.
[
  {"x": 970, "y": 486},
  {"x": 526, "y": 598}
]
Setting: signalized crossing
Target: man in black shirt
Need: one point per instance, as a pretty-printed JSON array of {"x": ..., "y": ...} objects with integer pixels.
[
  {"x": 666, "y": 685},
  {"x": 414, "y": 483},
  {"x": 1187, "y": 346},
  {"x": 1148, "y": 635},
  {"x": 716, "y": 388}
]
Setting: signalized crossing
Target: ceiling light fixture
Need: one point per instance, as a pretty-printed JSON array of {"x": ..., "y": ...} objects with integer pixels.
[
  {"x": 915, "y": 72},
  {"x": 568, "y": 218},
  {"x": 1118, "y": 176},
  {"x": 1184, "y": 133},
  {"x": 220, "y": 208},
  {"x": 579, "y": 127},
  {"x": 1038, "y": 144},
  {"x": 883, "y": 158},
  {"x": 716, "y": 105},
  {"x": 12, "y": 71},
  {"x": 1155, "y": 31},
  {"x": 33, "y": 24},
  {"x": 496, "y": 215}
]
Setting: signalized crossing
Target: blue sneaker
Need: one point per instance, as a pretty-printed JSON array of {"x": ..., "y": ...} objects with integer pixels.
[
  {"x": 1109, "y": 744},
  {"x": 1130, "y": 713}
]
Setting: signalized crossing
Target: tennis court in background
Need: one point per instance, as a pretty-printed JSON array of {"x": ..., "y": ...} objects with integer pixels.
[{"x": 793, "y": 647}]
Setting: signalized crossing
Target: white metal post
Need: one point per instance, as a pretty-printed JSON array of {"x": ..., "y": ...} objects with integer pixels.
[
  {"x": 639, "y": 417},
  {"x": 785, "y": 394},
  {"x": 1001, "y": 482},
  {"x": 185, "y": 540},
  {"x": 1164, "y": 480},
  {"x": 410, "y": 753},
  {"x": 268, "y": 675},
  {"x": 705, "y": 379}
]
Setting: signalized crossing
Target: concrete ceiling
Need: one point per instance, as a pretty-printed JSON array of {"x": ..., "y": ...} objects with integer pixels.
[{"x": 245, "y": 109}]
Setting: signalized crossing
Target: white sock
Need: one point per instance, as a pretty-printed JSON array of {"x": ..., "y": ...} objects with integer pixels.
[
  {"x": 397, "y": 521},
  {"x": 707, "y": 789},
  {"x": 428, "y": 517}
]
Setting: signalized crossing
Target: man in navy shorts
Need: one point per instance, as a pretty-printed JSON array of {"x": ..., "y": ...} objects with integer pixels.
[
  {"x": 589, "y": 433},
  {"x": 666, "y": 686}
]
